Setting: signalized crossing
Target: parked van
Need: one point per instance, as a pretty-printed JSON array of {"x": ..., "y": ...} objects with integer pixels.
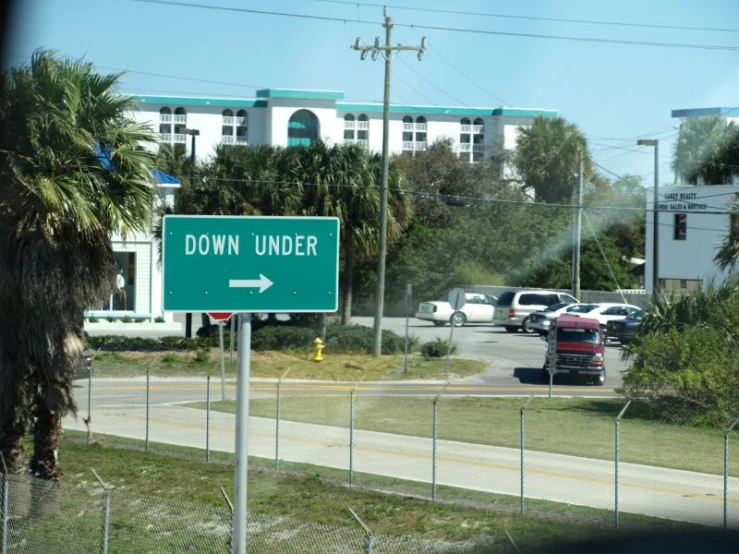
[
  {"x": 513, "y": 307},
  {"x": 575, "y": 346}
]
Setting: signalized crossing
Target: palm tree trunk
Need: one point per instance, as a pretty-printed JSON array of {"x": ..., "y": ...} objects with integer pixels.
[
  {"x": 11, "y": 450},
  {"x": 346, "y": 288},
  {"x": 44, "y": 464}
]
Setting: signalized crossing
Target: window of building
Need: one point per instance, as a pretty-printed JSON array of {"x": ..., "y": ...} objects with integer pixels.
[
  {"x": 363, "y": 129},
  {"x": 242, "y": 126},
  {"x": 478, "y": 139},
  {"x": 180, "y": 123},
  {"x": 421, "y": 127},
  {"x": 350, "y": 127},
  {"x": 471, "y": 139},
  {"x": 302, "y": 129},
  {"x": 165, "y": 124},
  {"x": 408, "y": 134},
  {"x": 680, "y": 228},
  {"x": 734, "y": 217},
  {"x": 227, "y": 126}
]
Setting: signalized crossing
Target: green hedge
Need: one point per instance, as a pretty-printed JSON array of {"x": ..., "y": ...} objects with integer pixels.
[{"x": 339, "y": 338}]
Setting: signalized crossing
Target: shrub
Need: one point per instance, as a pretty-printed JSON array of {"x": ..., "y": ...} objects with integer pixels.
[
  {"x": 169, "y": 358},
  {"x": 202, "y": 354},
  {"x": 111, "y": 319},
  {"x": 126, "y": 319},
  {"x": 159, "y": 320},
  {"x": 93, "y": 319},
  {"x": 278, "y": 337},
  {"x": 437, "y": 349}
]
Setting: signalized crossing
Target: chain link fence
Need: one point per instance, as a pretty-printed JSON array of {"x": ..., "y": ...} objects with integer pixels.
[
  {"x": 48, "y": 518},
  {"x": 598, "y": 461}
]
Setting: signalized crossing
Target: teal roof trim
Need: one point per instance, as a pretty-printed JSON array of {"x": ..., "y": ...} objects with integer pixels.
[
  {"x": 440, "y": 110},
  {"x": 217, "y": 102},
  {"x": 300, "y": 94}
]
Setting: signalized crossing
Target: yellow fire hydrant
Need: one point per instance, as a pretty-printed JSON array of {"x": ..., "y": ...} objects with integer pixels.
[{"x": 319, "y": 348}]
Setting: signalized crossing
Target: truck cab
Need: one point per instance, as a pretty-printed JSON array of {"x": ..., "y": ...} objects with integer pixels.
[{"x": 575, "y": 347}]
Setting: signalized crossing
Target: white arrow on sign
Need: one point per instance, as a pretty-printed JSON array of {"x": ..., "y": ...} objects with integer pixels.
[{"x": 262, "y": 283}]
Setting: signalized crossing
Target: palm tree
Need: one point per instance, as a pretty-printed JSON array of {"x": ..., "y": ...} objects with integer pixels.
[
  {"x": 343, "y": 181},
  {"x": 547, "y": 158},
  {"x": 702, "y": 148},
  {"x": 74, "y": 169}
]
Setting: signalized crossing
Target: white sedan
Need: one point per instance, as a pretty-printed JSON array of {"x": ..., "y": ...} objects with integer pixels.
[
  {"x": 478, "y": 308},
  {"x": 608, "y": 311}
]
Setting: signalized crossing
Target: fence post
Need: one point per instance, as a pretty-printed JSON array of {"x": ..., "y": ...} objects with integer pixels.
[
  {"x": 148, "y": 385},
  {"x": 351, "y": 438},
  {"x": 106, "y": 524},
  {"x": 726, "y": 472},
  {"x": 207, "y": 418},
  {"x": 368, "y": 539},
  {"x": 6, "y": 507},
  {"x": 616, "y": 459},
  {"x": 523, "y": 449},
  {"x": 277, "y": 420},
  {"x": 89, "y": 402},
  {"x": 433, "y": 449}
]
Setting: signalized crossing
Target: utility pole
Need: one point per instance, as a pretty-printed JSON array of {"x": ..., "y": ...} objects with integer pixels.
[
  {"x": 655, "y": 213},
  {"x": 578, "y": 231},
  {"x": 193, "y": 133},
  {"x": 386, "y": 52}
]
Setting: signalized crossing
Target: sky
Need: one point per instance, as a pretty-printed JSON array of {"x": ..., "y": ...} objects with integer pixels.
[{"x": 616, "y": 92}]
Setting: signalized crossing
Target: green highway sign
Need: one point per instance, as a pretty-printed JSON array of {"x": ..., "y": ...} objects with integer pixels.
[{"x": 250, "y": 264}]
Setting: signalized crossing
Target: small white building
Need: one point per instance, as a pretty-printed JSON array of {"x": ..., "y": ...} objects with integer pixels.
[
  {"x": 296, "y": 117},
  {"x": 693, "y": 222}
]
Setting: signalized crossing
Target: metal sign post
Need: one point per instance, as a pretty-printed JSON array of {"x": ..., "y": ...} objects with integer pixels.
[
  {"x": 408, "y": 301},
  {"x": 246, "y": 265},
  {"x": 457, "y": 299}
]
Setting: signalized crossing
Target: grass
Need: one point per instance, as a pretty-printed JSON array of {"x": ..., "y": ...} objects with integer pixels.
[
  {"x": 169, "y": 500},
  {"x": 575, "y": 426},
  {"x": 338, "y": 367}
]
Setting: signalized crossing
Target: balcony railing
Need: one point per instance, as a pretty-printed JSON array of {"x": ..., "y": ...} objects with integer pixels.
[
  {"x": 350, "y": 125},
  {"x": 239, "y": 120},
  {"x": 179, "y": 139},
  {"x": 465, "y": 129},
  {"x": 241, "y": 139},
  {"x": 408, "y": 127},
  {"x": 465, "y": 147},
  {"x": 478, "y": 147},
  {"x": 363, "y": 125},
  {"x": 408, "y": 145},
  {"x": 420, "y": 127},
  {"x": 164, "y": 137},
  {"x": 180, "y": 118},
  {"x": 227, "y": 139},
  {"x": 478, "y": 129},
  {"x": 420, "y": 145},
  {"x": 165, "y": 118},
  {"x": 417, "y": 146},
  {"x": 228, "y": 120}
]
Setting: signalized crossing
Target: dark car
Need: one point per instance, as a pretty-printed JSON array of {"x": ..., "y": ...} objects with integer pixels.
[{"x": 625, "y": 329}]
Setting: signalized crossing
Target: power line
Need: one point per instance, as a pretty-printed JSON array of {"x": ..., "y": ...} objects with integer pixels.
[
  {"x": 406, "y": 83},
  {"x": 457, "y": 100},
  {"x": 446, "y": 29},
  {"x": 455, "y": 68},
  {"x": 536, "y": 18}
]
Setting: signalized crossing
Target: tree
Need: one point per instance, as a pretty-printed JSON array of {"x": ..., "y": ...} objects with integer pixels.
[
  {"x": 706, "y": 151},
  {"x": 343, "y": 181},
  {"x": 547, "y": 158},
  {"x": 685, "y": 356},
  {"x": 74, "y": 169}
]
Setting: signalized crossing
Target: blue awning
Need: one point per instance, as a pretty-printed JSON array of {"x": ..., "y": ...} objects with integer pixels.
[
  {"x": 159, "y": 176},
  {"x": 162, "y": 178}
]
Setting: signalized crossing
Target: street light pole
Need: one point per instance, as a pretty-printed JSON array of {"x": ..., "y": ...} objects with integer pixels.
[
  {"x": 387, "y": 53},
  {"x": 655, "y": 213},
  {"x": 193, "y": 133}
]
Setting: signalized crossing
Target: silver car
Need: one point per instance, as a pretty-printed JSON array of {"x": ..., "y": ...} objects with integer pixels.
[
  {"x": 513, "y": 308},
  {"x": 541, "y": 320}
]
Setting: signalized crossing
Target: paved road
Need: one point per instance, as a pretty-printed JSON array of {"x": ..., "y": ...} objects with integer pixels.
[
  {"x": 679, "y": 495},
  {"x": 108, "y": 393}
]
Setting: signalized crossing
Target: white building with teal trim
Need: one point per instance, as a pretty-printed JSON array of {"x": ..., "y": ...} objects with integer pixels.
[
  {"x": 290, "y": 118},
  {"x": 293, "y": 117}
]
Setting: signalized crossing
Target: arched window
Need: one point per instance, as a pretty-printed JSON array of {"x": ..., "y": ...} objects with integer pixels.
[
  {"x": 165, "y": 124},
  {"x": 478, "y": 139},
  {"x": 242, "y": 126},
  {"x": 350, "y": 127},
  {"x": 407, "y": 119},
  {"x": 228, "y": 113},
  {"x": 180, "y": 122},
  {"x": 465, "y": 121},
  {"x": 302, "y": 129},
  {"x": 420, "y": 133},
  {"x": 363, "y": 129}
]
